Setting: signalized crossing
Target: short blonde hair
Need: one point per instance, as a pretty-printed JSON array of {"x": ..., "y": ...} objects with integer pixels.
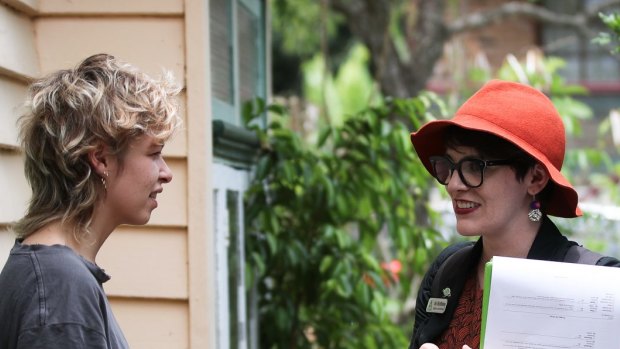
[{"x": 71, "y": 112}]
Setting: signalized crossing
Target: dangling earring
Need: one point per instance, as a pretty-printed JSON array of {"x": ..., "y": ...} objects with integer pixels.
[
  {"x": 534, "y": 215},
  {"x": 105, "y": 175}
]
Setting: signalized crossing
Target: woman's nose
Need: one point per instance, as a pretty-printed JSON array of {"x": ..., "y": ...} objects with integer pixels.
[
  {"x": 455, "y": 182},
  {"x": 165, "y": 173}
]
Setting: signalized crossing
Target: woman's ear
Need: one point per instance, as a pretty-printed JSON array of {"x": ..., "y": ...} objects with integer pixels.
[
  {"x": 538, "y": 180},
  {"x": 98, "y": 158}
]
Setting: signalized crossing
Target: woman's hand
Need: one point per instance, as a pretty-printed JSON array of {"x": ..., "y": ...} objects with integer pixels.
[{"x": 433, "y": 346}]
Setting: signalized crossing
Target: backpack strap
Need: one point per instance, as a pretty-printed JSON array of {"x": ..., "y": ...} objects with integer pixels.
[
  {"x": 581, "y": 255},
  {"x": 456, "y": 258},
  {"x": 440, "y": 285}
]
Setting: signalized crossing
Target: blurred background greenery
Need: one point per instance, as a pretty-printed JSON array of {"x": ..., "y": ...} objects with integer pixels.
[{"x": 343, "y": 217}]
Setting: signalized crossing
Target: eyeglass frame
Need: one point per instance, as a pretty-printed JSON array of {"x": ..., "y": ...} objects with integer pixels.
[{"x": 458, "y": 165}]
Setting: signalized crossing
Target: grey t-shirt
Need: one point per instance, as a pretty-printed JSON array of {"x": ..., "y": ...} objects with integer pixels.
[{"x": 51, "y": 297}]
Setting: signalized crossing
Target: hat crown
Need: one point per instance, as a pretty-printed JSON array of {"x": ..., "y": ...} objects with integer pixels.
[{"x": 526, "y": 114}]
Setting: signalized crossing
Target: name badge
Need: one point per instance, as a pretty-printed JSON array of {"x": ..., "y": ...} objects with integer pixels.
[{"x": 436, "y": 305}]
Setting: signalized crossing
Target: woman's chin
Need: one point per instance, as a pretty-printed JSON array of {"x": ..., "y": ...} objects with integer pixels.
[{"x": 467, "y": 231}]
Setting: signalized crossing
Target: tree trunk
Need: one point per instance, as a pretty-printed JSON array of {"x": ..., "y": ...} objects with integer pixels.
[
  {"x": 369, "y": 20},
  {"x": 405, "y": 74}
]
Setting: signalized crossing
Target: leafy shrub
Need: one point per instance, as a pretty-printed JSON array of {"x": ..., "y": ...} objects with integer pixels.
[{"x": 329, "y": 219}]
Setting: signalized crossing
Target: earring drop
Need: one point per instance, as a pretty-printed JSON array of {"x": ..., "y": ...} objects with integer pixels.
[
  {"x": 105, "y": 175},
  {"x": 534, "y": 215}
]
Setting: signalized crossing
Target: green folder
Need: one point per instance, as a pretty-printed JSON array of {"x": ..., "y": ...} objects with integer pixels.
[{"x": 488, "y": 269}]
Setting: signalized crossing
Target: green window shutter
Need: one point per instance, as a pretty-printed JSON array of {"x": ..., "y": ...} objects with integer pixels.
[
  {"x": 238, "y": 66},
  {"x": 251, "y": 40},
  {"x": 222, "y": 60}
]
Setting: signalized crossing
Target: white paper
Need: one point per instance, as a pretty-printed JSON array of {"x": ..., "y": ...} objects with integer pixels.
[{"x": 540, "y": 304}]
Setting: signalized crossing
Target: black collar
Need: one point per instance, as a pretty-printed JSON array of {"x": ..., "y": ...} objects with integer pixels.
[{"x": 549, "y": 244}]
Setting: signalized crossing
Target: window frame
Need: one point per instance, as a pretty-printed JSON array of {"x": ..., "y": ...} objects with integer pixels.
[{"x": 230, "y": 112}]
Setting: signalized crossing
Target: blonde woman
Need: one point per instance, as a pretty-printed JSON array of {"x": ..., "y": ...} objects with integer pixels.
[{"x": 92, "y": 138}]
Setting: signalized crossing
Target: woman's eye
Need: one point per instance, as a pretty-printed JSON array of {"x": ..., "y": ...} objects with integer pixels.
[{"x": 472, "y": 166}]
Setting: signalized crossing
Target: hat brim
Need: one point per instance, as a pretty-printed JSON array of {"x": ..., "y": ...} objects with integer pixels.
[{"x": 429, "y": 141}]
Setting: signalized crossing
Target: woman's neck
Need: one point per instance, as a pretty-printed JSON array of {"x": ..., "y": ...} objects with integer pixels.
[
  {"x": 511, "y": 244},
  {"x": 86, "y": 245}
]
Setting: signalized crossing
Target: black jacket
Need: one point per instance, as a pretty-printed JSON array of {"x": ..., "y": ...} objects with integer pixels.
[{"x": 549, "y": 245}]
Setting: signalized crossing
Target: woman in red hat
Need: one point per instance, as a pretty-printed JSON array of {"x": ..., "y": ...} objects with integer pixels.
[{"x": 500, "y": 158}]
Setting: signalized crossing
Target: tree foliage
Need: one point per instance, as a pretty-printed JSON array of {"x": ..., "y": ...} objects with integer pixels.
[
  {"x": 612, "y": 38},
  {"x": 332, "y": 221},
  {"x": 407, "y": 37}
]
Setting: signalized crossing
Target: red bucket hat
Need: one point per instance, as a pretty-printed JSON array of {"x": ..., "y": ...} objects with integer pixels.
[{"x": 523, "y": 116}]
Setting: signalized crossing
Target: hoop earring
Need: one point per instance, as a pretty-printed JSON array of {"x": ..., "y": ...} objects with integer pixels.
[{"x": 534, "y": 215}]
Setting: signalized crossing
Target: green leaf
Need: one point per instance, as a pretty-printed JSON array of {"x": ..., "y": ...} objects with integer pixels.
[
  {"x": 326, "y": 263},
  {"x": 273, "y": 243},
  {"x": 277, "y": 109}
]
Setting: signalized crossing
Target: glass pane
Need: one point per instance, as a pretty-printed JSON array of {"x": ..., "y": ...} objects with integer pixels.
[
  {"x": 221, "y": 50},
  {"x": 592, "y": 4},
  {"x": 586, "y": 62},
  {"x": 249, "y": 32},
  {"x": 571, "y": 71},
  {"x": 560, "y": 40},
  {"x": 563, "y": 6},
  {"x": 603, "y": 67},
  {"x": 235, "y": 270},
  {"x": 221, "y": 271}
]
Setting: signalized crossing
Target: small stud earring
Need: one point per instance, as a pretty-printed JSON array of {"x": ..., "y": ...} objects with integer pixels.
[{"x": 534, "y": 215}]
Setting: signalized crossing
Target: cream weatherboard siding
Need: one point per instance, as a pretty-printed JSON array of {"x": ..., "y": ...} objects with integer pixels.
[
  {"x": 162, "y": 273},
  {"x": 17, "y": 63}
]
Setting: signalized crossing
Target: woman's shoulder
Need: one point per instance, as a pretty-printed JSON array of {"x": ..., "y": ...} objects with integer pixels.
[
  {"x": 609, "y": 261},
  {"x": 582, "y": 255},
  {"x": 462, "y": 246},
  {"x": 457, "y": 253},
  {"x": 51, "y": 267},
  {"x": 52, "y": 285}
]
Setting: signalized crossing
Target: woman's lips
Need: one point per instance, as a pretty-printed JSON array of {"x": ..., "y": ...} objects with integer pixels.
[{"x": 464, "y": 207}]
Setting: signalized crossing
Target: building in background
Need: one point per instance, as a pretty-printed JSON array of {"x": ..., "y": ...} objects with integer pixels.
[
  {"x": 178, "y": 281},
  {"x": 587, "y": 64}
]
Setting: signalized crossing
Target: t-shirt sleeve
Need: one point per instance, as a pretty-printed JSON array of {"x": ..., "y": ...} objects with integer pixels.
[{"x": 61, "y": 336}]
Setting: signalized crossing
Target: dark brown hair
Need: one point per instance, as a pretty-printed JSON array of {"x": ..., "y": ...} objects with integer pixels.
[{"x": 492, "y": 147}]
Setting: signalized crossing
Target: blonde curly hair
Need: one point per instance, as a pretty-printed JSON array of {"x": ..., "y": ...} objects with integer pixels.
[{"x": 71, "y": 112}]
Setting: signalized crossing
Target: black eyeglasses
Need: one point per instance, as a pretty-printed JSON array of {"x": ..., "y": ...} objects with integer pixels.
[{"x": 470, "y": 170}]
